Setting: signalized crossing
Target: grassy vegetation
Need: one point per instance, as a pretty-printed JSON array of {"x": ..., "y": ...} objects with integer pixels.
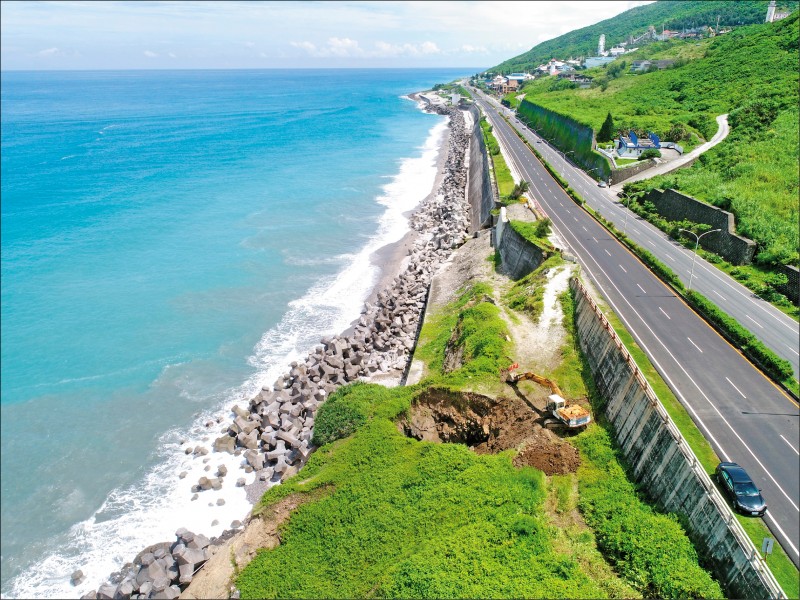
[
  {"x": 502, "y": 174},
  {"x": 648, "y": 547},
  {"x": 527, "y": 294},
  {"x": 753, "y": 173},
  {"x": 394, "y": 517}
]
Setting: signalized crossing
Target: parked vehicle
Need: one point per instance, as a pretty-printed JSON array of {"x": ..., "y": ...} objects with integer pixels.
[
  {"x": 744, "y": 494},
  {"x": 602, "y": 183}
]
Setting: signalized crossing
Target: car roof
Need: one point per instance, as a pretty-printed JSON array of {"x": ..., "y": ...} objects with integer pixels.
[{"x": 737, "y": 473}]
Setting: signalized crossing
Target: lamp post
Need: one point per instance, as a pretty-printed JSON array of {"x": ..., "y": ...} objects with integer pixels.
[
  {"x": 696, "y": 244},
  {"x": 628, "y": 207}
]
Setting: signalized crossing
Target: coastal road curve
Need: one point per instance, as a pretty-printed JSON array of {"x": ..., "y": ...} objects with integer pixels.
[
  {"x": 778, "y": 331},
  {"x": 745, "y": 417}
]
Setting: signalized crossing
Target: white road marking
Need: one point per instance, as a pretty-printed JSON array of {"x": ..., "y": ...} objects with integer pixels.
[
  {"x": 693, "y": 344},
  {"x": 623, "y": 268},
  {"x": 636, "y": 231},
  {"x": 783, "y": 533},
  {"x": 641, "y": 288},
  {"x": 790, "y": 446},
  {"x": 607, "y": 252},
  {"x": 595, "y": 240},
  {"x": 584, "y": 228},
  {"x": 718, "y": 294},
  {"x": 651, "y": 242},
  {"x": 737, "y": 389},
  {"x": 576, "y": 219},
  {"x": 665, "y": 314},
  {"x": 793, "y": 350},
  {"x": 754, "y": 321},
  {"x": 669, "y": 257}
]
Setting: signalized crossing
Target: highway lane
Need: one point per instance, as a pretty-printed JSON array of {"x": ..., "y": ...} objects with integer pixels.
[
  {"x": 745, "y": 417},
  {"x": 778, "y": 331}
]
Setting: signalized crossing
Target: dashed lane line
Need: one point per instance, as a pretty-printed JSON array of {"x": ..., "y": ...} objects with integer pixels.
[
  {"x": 754, "y": 321},
  {"x": 790, "y": 446},
  {"x": 695, "y": 345},
  {"x": 737, "y": 389},
  {"x": 665, "y": 314}
]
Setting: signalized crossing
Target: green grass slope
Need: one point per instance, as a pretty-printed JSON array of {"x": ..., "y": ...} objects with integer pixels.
[{"x": 390, "y": 516}]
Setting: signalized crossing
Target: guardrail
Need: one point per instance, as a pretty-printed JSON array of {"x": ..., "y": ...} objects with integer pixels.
[{"x": 749, "y": 550}]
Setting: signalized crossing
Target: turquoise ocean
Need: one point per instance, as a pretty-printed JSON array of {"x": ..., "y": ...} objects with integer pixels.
[{"x": 172, "y": 240}]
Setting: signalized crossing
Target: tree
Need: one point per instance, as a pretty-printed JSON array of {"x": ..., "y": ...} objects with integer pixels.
[{"x": 606, "y": 133}]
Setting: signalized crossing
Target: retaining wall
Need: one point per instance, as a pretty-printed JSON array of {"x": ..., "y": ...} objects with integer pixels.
[
  {"x": 480, "y": 192},
  {"x": 619, "y": 175},
  {"x": 518, "y": 256},
  {"x": 675, "y": 206},
  {"x": 661, "y": 461},
  {"x": 791, "y": 289}
]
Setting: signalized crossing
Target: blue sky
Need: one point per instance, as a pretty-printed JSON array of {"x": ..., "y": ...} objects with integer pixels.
[{"x": 207, "y": 35}]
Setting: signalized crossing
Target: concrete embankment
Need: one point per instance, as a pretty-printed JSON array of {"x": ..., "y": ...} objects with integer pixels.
[
  {"x": 518, "y": 256},
  {"x": 480, "y": 192},
  {"x": 662, "y": 462}
]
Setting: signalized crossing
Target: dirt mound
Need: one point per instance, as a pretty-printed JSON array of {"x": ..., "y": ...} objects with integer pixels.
[
  {"x": 552, "y": 458},
  {"x": 490, "y": 425}
]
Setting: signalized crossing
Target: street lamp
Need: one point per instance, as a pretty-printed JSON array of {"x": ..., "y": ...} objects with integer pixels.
[
  {"x": 628, "y": 207},
  {"x": 697, "y": 243}
]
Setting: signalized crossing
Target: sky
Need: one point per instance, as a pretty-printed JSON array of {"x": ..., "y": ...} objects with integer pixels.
[{"x": 236, "y": 34}]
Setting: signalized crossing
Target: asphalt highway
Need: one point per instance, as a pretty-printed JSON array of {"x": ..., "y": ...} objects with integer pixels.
[
  {"x": 745, "y": 417},
  {"x": 778, "y": 331}
]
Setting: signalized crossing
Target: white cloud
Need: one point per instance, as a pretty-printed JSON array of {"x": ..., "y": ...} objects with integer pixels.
[
  {"x": 171, "y": 55},
  {"x": 344, "y": 47},
  {"x": 150, "y": 54},
  {"x": 49, "y": 52}
]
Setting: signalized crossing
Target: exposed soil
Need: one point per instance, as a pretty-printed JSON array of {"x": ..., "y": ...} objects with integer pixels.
[
  {"x": 489, "y": 425},
  {"x": 215, "y": 579}
]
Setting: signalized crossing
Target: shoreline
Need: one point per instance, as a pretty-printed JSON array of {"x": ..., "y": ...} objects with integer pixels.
[{"x": 273, "y": 434}]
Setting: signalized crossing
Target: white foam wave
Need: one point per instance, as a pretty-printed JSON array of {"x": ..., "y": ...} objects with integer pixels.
[{"x": 135, "y": 517}]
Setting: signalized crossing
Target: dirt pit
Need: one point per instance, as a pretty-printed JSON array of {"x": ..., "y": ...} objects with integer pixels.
[{"x": 489, "y": 425}]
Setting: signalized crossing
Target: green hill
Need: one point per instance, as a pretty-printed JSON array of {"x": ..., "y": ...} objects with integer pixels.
[
  {"x": 667, "y": 14},
  {"x": 750, "y": 73}
]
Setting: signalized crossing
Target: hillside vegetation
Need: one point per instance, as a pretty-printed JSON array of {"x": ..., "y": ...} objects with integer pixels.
[
  {"x": 750, "y": 73},
  {"x": 390, "y": 516},
  {"x": 634, "y": 22}
]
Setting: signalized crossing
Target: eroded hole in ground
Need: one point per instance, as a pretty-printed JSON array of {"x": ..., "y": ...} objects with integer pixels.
[{"x": 490, "y": 425}]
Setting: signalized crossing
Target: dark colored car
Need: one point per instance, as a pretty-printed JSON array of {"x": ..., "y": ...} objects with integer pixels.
[{"x": 744, "y": 494}]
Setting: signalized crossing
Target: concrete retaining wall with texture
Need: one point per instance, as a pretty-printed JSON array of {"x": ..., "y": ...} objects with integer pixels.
[
  {"x": 675, "y": 206},
  {"x": 661, "y": 461},
  {"x": 480, "y": 192},
  {"x": 518, "y": 256}
]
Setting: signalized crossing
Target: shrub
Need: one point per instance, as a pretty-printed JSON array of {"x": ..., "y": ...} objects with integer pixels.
[{"x": 650, "y": 153}]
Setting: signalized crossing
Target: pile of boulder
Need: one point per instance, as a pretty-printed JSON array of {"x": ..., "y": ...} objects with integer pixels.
[
  {"x": 160, "y": 571},
  {"x": 274, "y": 433}
]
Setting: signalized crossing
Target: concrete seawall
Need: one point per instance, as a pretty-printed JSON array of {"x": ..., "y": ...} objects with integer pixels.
[
  {"x": 480, "y": 193},
  {"x": 662, "y": 462}
]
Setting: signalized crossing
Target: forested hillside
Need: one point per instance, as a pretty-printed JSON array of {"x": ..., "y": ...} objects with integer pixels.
[{"x": 675, "y": 15}]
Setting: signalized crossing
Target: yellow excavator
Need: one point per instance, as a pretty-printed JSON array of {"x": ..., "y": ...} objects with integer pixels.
[{"x": 574, "y": 416}]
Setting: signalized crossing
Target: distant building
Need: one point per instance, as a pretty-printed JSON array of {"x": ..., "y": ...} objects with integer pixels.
[
  {"x": 601, "y": 45},
  {"x": 773, "y": 14},
  {"x": 641, "y": 66},
  {"x": 616, "y": 51},
  {"x": 596, "y": 61}
]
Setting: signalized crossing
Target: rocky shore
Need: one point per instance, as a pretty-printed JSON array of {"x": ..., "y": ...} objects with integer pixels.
[{"x": 273, "y": 433}]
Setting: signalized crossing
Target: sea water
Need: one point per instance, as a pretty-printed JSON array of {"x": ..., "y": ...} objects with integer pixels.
[{"x": 171, "y": 240}]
